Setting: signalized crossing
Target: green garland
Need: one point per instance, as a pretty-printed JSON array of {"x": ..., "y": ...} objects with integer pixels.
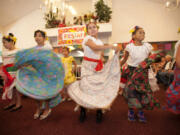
[{"x": 103, "y": 11}]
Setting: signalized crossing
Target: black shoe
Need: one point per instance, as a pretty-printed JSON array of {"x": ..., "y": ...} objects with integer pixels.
[
  {"x": 15, "y": 108},
  {"x": 82, "y": 115},
  {"x": 9, "y": 107},
  {"x": 99, "y": 116}
]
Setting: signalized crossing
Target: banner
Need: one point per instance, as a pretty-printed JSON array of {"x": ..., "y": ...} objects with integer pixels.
[
  {"x": 71, "y": 35},
  {"x": 168, "y": 46}
]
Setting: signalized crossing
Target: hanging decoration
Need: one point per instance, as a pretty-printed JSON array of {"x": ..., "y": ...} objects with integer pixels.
[{"x": 167, "y": 46}]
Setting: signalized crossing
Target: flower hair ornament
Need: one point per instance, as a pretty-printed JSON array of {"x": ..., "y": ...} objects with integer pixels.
[
  {"x": 14, "y": 39},
  {"x": 133, "y": 30}
]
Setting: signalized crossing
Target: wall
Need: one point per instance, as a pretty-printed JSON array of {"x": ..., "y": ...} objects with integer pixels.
[
  {"x": 1, "y": 30},
  {"x": 24, "y": 28},
  {"x": 81, "y": 6},
  {"x": 158, "y": 23}
]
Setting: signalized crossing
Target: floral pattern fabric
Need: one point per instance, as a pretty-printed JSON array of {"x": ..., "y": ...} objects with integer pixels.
[
  {"x": 40, "y": 75},
  {"x": 173, "y": 94},
  {"x": 137, "y": 91},
  {"x": 96, "y": 89}
]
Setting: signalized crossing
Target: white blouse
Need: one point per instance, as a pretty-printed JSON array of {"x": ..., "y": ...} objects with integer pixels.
[
  {"x": 46, "y": 46},
  {"x": 88, "y": 52},
  {"x": 137, "y": 54},
  {"x": 9, "y": 56}
]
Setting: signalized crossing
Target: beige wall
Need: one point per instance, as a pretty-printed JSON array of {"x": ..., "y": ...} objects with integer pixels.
[
  {"x": 1, "y": 30},
  {"x": 158, "y": 23},
  {"x": 81, "y": 6},
  {"x": 24, "y": 28}
]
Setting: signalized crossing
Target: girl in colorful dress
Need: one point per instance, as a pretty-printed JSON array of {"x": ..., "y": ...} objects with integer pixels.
[
  {"x": 40, "y": 75},
  {"x": 40, "y": 38},
  {"x": 8, "y": 72},
  {"x": 69, "y": 70},
  {"x": 137, "y": 53},
  {"x": 173, "y": 92},
  {"x": 99, "y": 85}
]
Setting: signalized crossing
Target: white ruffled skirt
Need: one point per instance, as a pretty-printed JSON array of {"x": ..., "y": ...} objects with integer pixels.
[{"x": 96, "y": 89}]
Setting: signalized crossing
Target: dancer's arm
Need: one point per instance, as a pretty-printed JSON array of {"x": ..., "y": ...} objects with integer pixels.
[
  {"x": 95, "y": 47},
  {"x": 126, "y": 55}
]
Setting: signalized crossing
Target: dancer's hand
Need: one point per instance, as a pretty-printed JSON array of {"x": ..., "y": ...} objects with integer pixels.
[{"x": 116, "y": 48}]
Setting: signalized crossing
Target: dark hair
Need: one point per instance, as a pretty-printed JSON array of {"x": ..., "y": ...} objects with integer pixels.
[
  {"x": 10, "y": 34},
  {"x": 40, "y": 31},
  {"x": 9, "y": 38},
  {"x": 66, "y": 48},
  {"x": 136, "y": 28}
]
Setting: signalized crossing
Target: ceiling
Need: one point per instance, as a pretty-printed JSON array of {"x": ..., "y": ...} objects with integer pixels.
[{"x": 12, "y": 10}]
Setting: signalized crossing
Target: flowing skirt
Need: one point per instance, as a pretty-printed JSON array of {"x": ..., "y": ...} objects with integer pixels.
[
  {"x": 40, "y": 75},
  {"x": 96, "y": 89},
  {"x": 173, "y": 94}
]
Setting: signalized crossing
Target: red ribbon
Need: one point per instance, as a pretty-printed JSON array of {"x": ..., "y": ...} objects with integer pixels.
[
  {"x": 123, "y": 80},
  {"x": 99, "y": 65},
  {"x": 132, "y": 41},
  {"x": 9, "y": 79}
]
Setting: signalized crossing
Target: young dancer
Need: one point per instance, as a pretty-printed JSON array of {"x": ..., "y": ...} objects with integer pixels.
[
  {"x": 68, "y": 61},
  {"x": 137, "y": 98},
  {"x": 8, "y": 72},
  {"x": 40, "y": 75},
  {"x": 99, "y": 85}
]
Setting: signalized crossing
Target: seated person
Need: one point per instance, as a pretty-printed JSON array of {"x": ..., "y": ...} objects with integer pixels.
[
  {"x": 166, "y": 75},
  {"x": 159, "y": 65}
]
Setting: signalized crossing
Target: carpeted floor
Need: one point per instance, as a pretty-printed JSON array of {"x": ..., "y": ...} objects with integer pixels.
[{"x": 64, "y": 121}]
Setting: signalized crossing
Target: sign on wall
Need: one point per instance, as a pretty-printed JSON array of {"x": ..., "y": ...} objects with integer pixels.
[{"x": 71, "y": 35}]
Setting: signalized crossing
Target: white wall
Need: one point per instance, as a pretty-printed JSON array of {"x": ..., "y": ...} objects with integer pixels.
[
  {"x": 81, "y": 6},
  {"x": 158, "y": 23},
  {"x": 24, "y": 28}
]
